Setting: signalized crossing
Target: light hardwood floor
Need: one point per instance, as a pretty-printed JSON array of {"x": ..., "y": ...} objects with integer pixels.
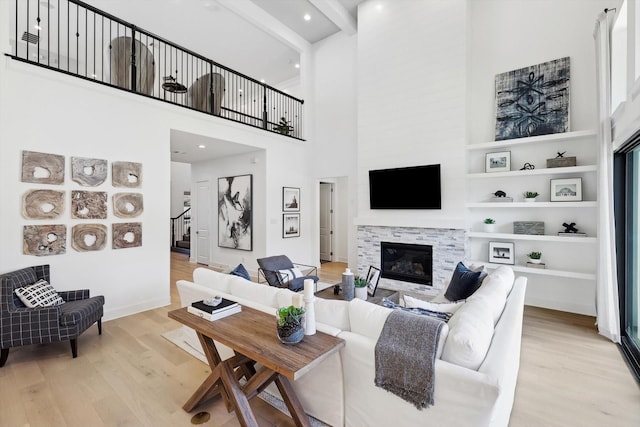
[{"x": 131, "y": 376}]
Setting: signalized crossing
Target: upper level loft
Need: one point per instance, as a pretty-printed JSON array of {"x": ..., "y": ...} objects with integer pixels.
[{"x": 77, "y": 39}]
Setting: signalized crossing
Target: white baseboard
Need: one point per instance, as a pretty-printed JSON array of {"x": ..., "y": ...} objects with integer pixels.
[
  {"x": 128, "y": 310},
  {"x": 567, "y": 306}
]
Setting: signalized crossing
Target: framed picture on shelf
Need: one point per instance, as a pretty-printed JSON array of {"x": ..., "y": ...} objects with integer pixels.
[
  {"x": 501, "y": 253},
  {"x": 290, "y": 199},
  {"x": 372, "y": 280},
  {"x": 290, "y": 225},
  {"x": 566, "y": 190},
  {"x": 498, "y": 162}
]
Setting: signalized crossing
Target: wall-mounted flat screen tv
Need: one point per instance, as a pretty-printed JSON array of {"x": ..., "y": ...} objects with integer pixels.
[{"x": 416, "y": 187}]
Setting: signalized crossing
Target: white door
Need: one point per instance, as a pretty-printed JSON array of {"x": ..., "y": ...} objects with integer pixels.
[
  {"x": 326, "y": 221},
  {"x": 203, "y": 219}
]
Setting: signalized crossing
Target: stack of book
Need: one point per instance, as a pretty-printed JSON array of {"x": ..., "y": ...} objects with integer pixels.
[{"x": 210, "y": 312}]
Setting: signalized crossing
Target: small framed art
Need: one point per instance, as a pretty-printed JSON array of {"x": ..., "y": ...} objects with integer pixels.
[
  {"x": 501, "y": 253},
  {"x": 290, "y": 225},
  {"x": 566, "y": 190},
  {"x": 372, "y": 280},
  {"x": 498, "y": 162},
  {"x": 290, "y": 199}
]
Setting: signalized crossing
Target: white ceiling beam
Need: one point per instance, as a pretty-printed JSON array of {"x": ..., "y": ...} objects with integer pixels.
[
  {"x": 267, "y": 23},
  {"x": 338, "y": 14}
]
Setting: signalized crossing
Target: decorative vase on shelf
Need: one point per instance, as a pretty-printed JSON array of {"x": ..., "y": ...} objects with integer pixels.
[
  {"x": 535, "y": 261},
  {"x": 530, "y": 199},
  {"x": 530, "y": 196}
]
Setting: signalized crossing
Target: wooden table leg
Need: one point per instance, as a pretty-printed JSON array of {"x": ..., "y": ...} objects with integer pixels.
[
  {"x": 206, "y": 390},
  {"x": 211, "y": 386},
  {"x": 291, "y": 400},
  {"x": 237, "y": 397}
]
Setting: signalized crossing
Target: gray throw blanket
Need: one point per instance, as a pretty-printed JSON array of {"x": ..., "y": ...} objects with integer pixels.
[{"x": 406, "y": 355}]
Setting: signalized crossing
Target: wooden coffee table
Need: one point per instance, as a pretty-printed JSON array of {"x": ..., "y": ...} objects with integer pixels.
[{"x": 252, "y": 336}]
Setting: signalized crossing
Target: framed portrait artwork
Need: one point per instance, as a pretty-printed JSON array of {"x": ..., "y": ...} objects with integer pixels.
[
  {"x": 372, "y": 280},
  {"x": 290, "y": 199},
  {"x": 566, "y": 190},
  {"x": 501, "y": 252},
  {"x": 290, "y": 225},
  {"x": 498, "y": 162}
]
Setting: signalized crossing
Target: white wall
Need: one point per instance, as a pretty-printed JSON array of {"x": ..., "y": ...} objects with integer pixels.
[
  {"x": 180, "y": 182},
  {"x": 411, "y": 101},
  {"x": 73, "y": 118},
  {"x": 335, "y": 134}
]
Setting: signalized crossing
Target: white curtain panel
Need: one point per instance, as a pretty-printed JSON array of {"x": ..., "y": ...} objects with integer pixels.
[{"x": 607, "y": 307}]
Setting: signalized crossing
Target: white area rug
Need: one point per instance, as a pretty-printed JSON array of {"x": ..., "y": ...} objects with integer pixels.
[{"x": 187, "y": 340}]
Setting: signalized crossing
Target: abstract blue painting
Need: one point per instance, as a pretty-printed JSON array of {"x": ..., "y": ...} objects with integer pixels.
[{"x": 533, "y": 100}]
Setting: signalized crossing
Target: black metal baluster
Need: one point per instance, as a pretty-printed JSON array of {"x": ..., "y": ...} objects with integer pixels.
[
  {"x": 77, "y": 40},
  {"x": 48, "y": 34},
  {"x": 133, "y": 59},
  {"x": 28, "y": 3}
]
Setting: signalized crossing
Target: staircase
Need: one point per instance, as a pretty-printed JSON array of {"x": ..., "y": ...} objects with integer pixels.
[{"x": 181, "y": 233}]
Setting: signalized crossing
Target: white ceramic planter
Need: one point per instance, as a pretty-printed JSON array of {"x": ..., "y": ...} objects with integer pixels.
[
  {"x": 535, "y": 261},
  {"x": 361, "y": 293},
  {"x": 530, "y": 199},
  {"x": 490, "y": 228}
]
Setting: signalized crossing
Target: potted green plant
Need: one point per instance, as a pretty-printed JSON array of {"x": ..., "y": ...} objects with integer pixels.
[
  {"x": 535, "y": 257},
  {"x": 530, "y": 196},
  {"x": 290, "y": 324},
  {"x": 283, "y": 126},
  {"x": 361, "y": 287},
  {"x": 489, "y": 225}
]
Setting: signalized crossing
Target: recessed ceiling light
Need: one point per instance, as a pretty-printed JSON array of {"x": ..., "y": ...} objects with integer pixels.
[
  {"x": 307, "y": 17},
  {"x": 297, "y": 65},
  {"x": 379, "y": 7},
  {"x": 202, "y": 146}
]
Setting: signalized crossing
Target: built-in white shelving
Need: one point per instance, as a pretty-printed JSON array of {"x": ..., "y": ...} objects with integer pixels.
[
  {"x": 572, "y": 258},
  {"x": 532, "y": 172},
  {"x": 556, "y": 137},
  {"x": 534, "y": 205},
  {"x": 532, "y": 237},
  {"x": 541, "y": 271}
]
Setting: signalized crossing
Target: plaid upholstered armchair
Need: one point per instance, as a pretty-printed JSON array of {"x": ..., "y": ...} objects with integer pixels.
[{"x": 21, "y": 325}]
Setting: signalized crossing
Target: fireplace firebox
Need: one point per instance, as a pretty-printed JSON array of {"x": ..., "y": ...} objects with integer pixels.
[{"x": 407, "y": 262}]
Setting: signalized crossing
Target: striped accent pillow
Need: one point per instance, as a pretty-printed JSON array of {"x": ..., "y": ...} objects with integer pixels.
[
  {"x": 40, "y": 294},
  {"x": 289, "y": 274}
]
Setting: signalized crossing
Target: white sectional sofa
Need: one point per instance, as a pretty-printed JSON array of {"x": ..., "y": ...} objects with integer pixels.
[{"x": 483, "y": 339}]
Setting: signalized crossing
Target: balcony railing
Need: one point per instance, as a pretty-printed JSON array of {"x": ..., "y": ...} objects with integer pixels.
[{"x": 75, "y": 38}]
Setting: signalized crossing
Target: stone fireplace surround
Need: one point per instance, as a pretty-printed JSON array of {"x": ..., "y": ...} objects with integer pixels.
[{"x": 450, "y": 246}]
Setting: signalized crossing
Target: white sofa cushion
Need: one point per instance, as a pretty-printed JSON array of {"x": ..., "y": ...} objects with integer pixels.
[
  {"x": 470, "y": 334},
  {"x": 495, "y": 289},
  {"x": 265, "y": 294},
  {"x": 212, "y": 279},
  {"x": 333, "y": 312}
]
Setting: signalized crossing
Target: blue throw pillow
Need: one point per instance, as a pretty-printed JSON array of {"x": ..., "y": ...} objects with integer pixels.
[
  {"x": 241, "y": 272},
  {"x": 464, "y": 283}
]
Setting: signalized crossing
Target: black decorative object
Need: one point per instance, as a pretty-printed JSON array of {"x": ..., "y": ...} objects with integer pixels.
[
  {"x": 527, "y": 166},
  {"x": 500, "y": 193},
  {"x": 570, "y": 228},
  {"x": 501, "y": 197}
]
